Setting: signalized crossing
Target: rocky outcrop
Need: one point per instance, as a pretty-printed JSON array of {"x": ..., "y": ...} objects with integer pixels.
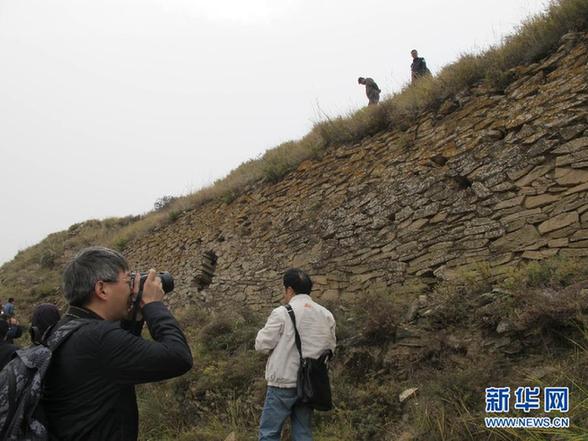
[{"x": 494, "y": 176}]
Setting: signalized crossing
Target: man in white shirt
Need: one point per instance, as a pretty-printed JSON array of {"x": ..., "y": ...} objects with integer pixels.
[{"x": 316, "y": 327}]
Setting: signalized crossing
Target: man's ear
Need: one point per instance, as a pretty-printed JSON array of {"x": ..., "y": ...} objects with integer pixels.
[{"x": 100, "y": 290}]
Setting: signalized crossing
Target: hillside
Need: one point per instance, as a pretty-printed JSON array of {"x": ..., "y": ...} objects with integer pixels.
[{"x": 451, "y": 244}]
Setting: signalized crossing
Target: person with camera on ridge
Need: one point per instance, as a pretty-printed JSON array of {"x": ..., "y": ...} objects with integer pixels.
[
  {"x": 89, "y": 389},
  {"x": 316, "y": 328}
]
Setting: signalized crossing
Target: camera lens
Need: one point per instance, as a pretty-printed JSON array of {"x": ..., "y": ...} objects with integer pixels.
[{"x": 167, "y": 281}]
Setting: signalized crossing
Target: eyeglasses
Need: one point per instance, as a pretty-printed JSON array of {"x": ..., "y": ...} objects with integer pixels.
[{"x": 128, "y": 282}]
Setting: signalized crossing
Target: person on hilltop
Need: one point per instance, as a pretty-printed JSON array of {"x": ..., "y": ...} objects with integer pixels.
[
  {"x": 418, "y": 68},
  {"x": 89, "y": 390},
  {"x": 316, "y": 327},
  {"x": 371, "y": 90}
]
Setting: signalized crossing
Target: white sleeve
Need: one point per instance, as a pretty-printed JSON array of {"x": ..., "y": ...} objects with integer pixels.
[{"x": 269, "y": 336}]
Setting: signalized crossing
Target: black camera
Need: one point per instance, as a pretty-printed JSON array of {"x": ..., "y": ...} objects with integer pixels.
[{"x": 167, "y": 283}]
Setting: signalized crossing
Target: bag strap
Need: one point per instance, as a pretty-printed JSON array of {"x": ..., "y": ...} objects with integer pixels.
[
  {"x": 296, "y": 335},
  {"x": 12, "y": 405},
  {"x": 63, "y": 332}
]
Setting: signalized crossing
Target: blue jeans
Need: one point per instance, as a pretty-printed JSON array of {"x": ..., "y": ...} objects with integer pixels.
[{"x": 280, "y": 403}]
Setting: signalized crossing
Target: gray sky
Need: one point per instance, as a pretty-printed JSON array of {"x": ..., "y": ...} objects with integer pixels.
[{"x": 107, "y": 105}]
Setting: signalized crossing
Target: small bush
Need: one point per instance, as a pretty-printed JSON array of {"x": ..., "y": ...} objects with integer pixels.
[
  {"x": 555, "y": 273},
  {"x": 455, "y": 298},
  {"x": 217, "y": 334},
  {"x": 121, "y": 243},
  {"x": 48, "y": 258},
  {"x": 378, "y": 313},
  {"x": 163, "y": 202},
  {"x": 174, "y": 215}
]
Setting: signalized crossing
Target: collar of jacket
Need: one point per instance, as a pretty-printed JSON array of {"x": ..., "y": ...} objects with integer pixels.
[
  {"x": 300, "y": 298},
  {"x": 80, "y": 312}
]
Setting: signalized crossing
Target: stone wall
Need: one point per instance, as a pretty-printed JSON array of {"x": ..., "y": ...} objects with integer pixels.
[{"x": 493, "y": 176}]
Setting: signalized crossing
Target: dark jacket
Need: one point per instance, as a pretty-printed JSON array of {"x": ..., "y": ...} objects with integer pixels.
[
  {"x": 14, "y": 331},
  {"x": 89, "y": 388},
  {"x": 7, "y": 350},
  {"x": 419, "y": 68}
]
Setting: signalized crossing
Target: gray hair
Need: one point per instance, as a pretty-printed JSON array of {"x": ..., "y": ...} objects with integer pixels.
[{"x": 88, "y": 267}]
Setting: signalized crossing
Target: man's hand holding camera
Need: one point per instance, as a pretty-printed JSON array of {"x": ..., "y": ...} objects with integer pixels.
[{"x": 152, "y": 289}]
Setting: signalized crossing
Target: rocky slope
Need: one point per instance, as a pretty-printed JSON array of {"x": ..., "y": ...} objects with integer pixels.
[{"x": 495, "y": 176}]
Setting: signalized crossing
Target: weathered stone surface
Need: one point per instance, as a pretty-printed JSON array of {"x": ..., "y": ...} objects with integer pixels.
[
  {"x": 481, "y": 191},
  {"x": 414, "y": 226},
  {"x": 329, "y": 295},
  {"x": 558, "y": 243},
  {"x": 510, "y": 203},
  {"x": 571, "y": 176},
  {"x": 504, "y": 186},
  {"x": 521, "y": 215},
  {"x": 404, "y": 214},
  {"x": 570, "y": 132},
  {"x": 484, "y": 228},
  {"x": 574, "y": 252},
  {"x": 572, "y": 159},
  {"x": 518, "y": 171},
  {"x": 534, "y": 174},
  {"x": 572, "y": 146},
  {"x": 427, "y": 211},
  {"x": 564, "y": 232},
  {"x": 559, "y": 221},
  {"x": 577, "y": 189},
  {"x": 538, "y": 255},
  {"x": 579, "y": 244},
  {"x": 516, "y": 240},
  {"x": 439, "y": 217},
  {"x": 579, "y": 235},
  {"x": 538, "y": 201}
]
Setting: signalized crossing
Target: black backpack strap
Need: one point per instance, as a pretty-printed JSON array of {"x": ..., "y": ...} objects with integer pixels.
[
  {"x": 63, "y": 332},
  {"x": 12, "y": 403},
  {"x": 296, "y": 335}
]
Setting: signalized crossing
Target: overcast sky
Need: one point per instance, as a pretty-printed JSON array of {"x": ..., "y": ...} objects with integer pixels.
[{"x": 107, "y": 105}]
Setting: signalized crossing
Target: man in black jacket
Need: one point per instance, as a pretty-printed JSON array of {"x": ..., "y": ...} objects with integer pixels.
[
  {"x": 90, "y": 386},
  {"x": 418, "y": 68}
]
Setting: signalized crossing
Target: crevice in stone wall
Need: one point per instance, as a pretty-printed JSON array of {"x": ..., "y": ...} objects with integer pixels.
[
  {"x": 205, "y": 273},
  {"x": 462, "y": 182},
  {"x": 439, "y": 160}
]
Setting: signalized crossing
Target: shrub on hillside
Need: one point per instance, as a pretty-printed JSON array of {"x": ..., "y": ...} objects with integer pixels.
[{"x": 163, "y": 202}]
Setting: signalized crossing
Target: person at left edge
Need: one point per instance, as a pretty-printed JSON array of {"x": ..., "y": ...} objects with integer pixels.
[
  {"x": 89, "y": 391},
  {"x": 7, "y": 349}
]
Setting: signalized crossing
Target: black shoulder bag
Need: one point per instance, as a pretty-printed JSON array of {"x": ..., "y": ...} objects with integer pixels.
[{"x": 312, "y": 384}]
